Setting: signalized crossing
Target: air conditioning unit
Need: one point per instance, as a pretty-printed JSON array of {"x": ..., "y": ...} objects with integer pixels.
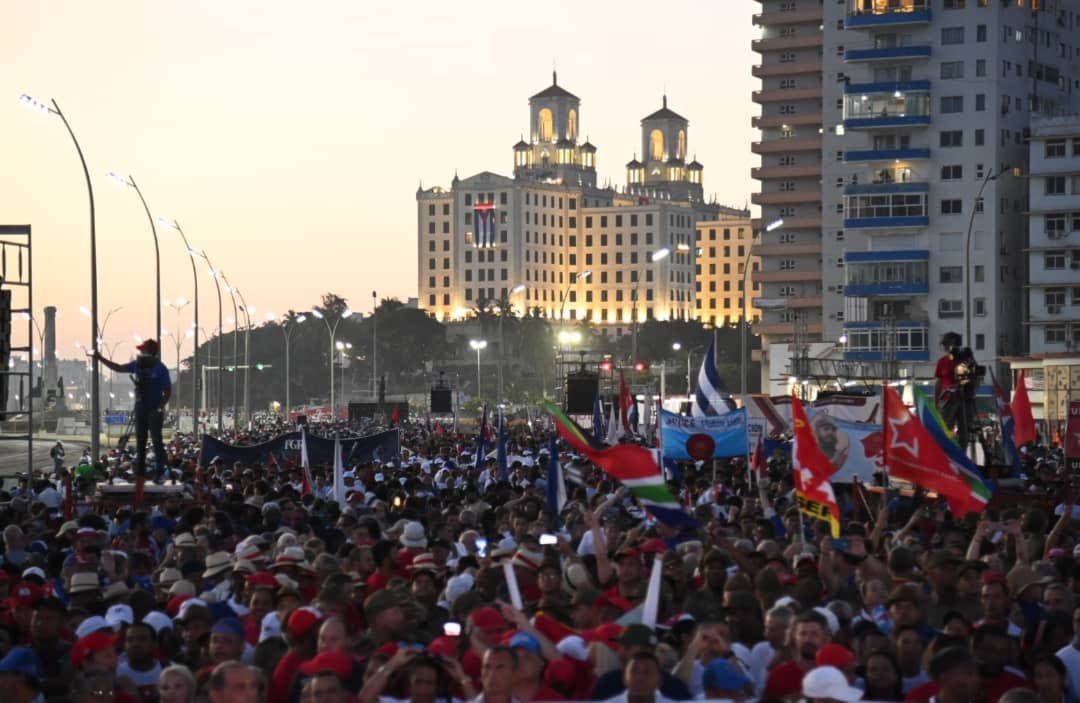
[{"x": 1053, "y": 309}]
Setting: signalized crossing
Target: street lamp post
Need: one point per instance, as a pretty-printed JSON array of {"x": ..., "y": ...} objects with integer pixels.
[
  {"x": 247, "y": 310},
  {"x": 130, "y": 182},
  {"x": 342, "y": 348},
  {"x": 502, "y": 340},
  {"x": 95, "y": 372},
  {"x": 374, "y": 348},
  {"x": 178, "y": 305},
  {"x": 220, "y": 334},
  {"x": 286, "y": 330},
  {"x": 236, "y": 328},
  {"x": 745, "y": 326},
  {"x": 333, "y": 349},
  {"x": 195, "y": 366},
  {"x": 658, "y": 255},
  {"x": 991, "y": 175},
  {"x": 478, "y": 345}
]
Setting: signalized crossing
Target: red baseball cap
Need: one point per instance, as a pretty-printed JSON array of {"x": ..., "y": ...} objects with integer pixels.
[
  {"x": 338, "y": 662},
  {"x": 149, "y": 346},
  {"x": 608, "y": 634},
  {"x": 653, "y": 546},
  {"x": 834, "y": 655},
  {"x": 386, "y": 649},
  {"x": 262, "y": 579},
  {"x": 444, "y": 646},
  {"x": 302, "y": 620},
  {"x": 489, "y": 620},
  {"x": 90, "y": 645},
  {"x": 172, "y": 608}
]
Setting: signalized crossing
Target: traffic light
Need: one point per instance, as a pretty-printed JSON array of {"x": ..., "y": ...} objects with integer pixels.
[
  {"x": 639, "y": 366},
  {"x": 606, "y": 366}
]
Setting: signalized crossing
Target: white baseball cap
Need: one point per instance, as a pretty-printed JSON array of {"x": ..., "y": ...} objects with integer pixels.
[
  {"x": 158, "y": 620},
  {"x": 829, "y": 682},
  {"x": 91, "y": 625},
  {"x": 119, "y": 615}
]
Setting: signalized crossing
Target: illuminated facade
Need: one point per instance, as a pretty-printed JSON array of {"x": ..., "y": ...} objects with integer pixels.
[
  {"x": 722, "y": 246},
  {"x": 536, "y": 233}
]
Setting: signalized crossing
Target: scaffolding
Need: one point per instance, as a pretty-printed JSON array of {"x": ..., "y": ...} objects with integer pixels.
[{"x": 15, "y": 280}]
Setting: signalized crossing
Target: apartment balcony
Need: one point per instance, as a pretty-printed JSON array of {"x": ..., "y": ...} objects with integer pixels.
[
  {"x": 886, "y": 155},
  {"x": 797, "y": 196},
  {"x": 785, "y": 276},
  {"x": 883, "y": 14},
  {"x": 776, "y": 95},
  {"x": 809, "y": 118},
  {"x": 885, "y": 188},
  {"x": 813, "y": 249},
  {"x": 780, "y": 146},
  {"x": 770, "y": 19},
  {"x": 786, "y": 43},
  {"x": 886, "y": 273},
  {"x": 808, "y": 171},
  {"x": 800, "y": 303},
  {"x": 870, "y": 341},
  {"x": 791, "y": 223},
  {"x": 891, "y": 53},
  {"x": 769, "y": 70},
  {"x": 786, "y": 329},
  {"x": 886, "y": 205}
]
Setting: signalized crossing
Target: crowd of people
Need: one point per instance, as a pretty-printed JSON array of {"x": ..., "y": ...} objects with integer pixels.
[{"x": 245, "y": 588}]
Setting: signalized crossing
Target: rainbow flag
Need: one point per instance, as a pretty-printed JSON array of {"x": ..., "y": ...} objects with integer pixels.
[
  {"x": 961, "y": 462},
  {"x": 635, "y": 466}
]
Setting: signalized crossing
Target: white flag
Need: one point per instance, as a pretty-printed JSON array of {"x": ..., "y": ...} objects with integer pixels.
[{"x": 339, "y": 476}]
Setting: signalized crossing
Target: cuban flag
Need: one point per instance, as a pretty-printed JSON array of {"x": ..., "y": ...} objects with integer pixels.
[
  {"x": 712, "y": 396},
  {"x": 484, "y": 224}
]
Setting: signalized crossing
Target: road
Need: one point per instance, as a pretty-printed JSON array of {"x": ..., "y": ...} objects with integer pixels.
[{"x": 13, "y": 454}]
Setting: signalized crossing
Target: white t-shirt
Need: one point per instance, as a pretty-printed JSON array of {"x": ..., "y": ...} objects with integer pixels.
[
  {"x": 1070, "y": 656},
  {"x": 141, "y": 679},
  {"x": 760, "y": 656}
]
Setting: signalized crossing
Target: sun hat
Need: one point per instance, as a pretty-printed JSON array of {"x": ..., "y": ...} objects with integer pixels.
[
  {"x": 413, "y": 536},
  {"x": 168, "y": 577},
  {"x": 84, "y": 583},
  {"x": 217, "y": 563}
]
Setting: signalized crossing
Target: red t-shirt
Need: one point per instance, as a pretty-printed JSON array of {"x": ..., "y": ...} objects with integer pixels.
[
  {"x": 943, "y": 372},
  {"x": 994, "y": 688},
  {"x": 284, "y": 674},
  {"x": 784, "y": 681},
  {"x": 375, "y": 582}
]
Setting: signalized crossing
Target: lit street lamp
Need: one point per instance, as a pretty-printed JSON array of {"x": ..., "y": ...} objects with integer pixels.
[
  {"x": 95, "y": 367},
  {"x": 130, "y": 182},
  {"x": 195, "y": 366},
  {"x": 658, "y": 255},
  {"x": 744, "y": 327},
  {"x": 478, "y": 345},
  {"x": 333, "y": 348}
]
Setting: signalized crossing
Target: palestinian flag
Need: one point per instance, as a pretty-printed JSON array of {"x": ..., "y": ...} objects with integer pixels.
[
  {"x": 635, "y": 466},
  {"x": 958, "y": 458}
]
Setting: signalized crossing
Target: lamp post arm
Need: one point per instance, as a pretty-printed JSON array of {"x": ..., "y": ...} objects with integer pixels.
[{"x": 157, "y": 257}]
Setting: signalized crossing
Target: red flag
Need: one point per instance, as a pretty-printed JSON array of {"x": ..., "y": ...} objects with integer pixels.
[
  {"x": 757, "y": 462},
  {"x": 395, "y": 416},
  {"x": 812, "y": 470},
  {"x": 1024, "y": 423},
  {"x": 913, "y": 455},
  {"x": 439, "y": 429},
  {"x": 626, "y": 401}
]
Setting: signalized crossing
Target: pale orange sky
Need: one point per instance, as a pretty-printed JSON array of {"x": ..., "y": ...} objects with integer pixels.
[{"x": 288, "y": 137}]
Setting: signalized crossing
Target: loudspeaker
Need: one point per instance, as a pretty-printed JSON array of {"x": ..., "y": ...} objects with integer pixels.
[
  {"x": 581, "y": 393},
  {"x": 441, "y": 401}
]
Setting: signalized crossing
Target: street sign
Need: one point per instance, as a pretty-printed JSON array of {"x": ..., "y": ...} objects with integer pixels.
[{"x": 117, "y": 418}]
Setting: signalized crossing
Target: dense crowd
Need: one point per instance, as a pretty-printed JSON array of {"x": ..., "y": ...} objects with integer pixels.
[{"x": 246, "y": 590}]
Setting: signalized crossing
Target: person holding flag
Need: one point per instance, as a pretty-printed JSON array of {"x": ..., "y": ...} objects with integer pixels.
[{"x": 811, "y": 470}]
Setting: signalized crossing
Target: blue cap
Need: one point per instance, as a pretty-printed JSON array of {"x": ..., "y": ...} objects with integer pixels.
[
  {"x": 722, "y": 674},
  {"x": 22, "y": 660},
  {"x": 232, "y": 625},
  {"x": 525, "y": 641},
  {"x": 38, "y": 547}
]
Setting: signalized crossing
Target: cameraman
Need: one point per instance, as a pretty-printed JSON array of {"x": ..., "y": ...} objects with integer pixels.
[
  {"x": 954, "y": 387},
  {"x": 152, "y": 390}
]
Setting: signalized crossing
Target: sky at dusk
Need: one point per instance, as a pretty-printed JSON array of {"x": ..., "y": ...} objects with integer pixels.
[{"x": 288, "y": 138}]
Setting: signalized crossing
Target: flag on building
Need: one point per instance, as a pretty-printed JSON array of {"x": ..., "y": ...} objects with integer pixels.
[
  {"x": 712, "y": 396},
  {"x": 598, "y": 417},
  {"x": 913, "y": 454},
  {"x": 935, "y": 424},
  {"x": 1024, "y": 431},
  {"x": 812, "y": 470},
  {"x": 307, "y": 485},
  {"x": 635, "y": 466},
  {"x": 556, "y": 489},
  {"x": 1008, "y": 425}
]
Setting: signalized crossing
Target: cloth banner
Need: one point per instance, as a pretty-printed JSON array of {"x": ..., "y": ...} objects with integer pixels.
[
  {"x": 382, "y": 447},
  {"x": 703, "y": 438}
]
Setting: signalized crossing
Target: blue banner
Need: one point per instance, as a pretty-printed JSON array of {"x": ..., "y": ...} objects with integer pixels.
[
  {"x": 702, "y": 438},
  {"x": 382, "y": 447}
]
